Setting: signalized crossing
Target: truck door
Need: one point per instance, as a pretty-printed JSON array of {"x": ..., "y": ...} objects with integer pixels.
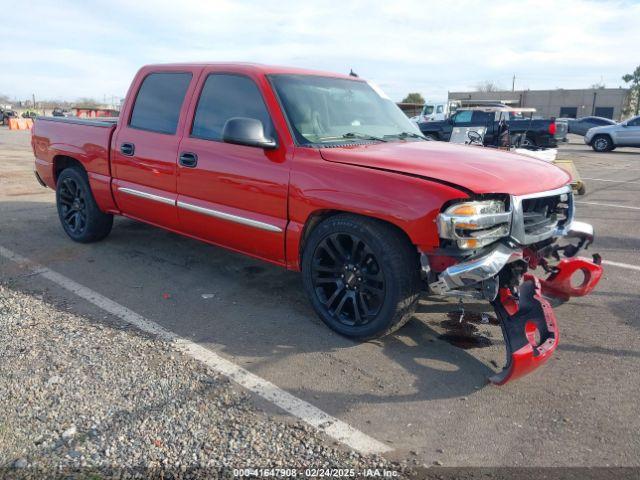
[
  {"x": 145, "y": 146},
  {"x": 228, "y": 194}
]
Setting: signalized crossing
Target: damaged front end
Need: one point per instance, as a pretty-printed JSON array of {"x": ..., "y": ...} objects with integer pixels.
[{"x": 489, "y": 247}]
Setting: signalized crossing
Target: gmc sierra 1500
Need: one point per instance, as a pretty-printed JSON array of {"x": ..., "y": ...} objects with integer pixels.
[{"x": 322, "y": 173}]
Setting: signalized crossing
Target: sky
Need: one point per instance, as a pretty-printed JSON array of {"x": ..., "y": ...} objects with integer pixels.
[{"x": 63, "y": 49}]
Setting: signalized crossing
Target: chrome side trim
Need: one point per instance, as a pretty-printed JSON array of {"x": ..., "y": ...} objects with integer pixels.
[
  {"x": 227, "y": 216},
  {"x": 473, "y": 271},
  {"x": 148, "y": 196}
]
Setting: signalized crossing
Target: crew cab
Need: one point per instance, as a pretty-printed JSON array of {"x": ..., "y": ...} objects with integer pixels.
[
  {"x": 322, "y": 173},
  {"x": 535, "y": 132}
]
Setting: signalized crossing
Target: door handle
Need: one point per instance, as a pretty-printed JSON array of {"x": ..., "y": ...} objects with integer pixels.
[
  {"x": 188, "y": 159},
  {"x": 127, "y": 149}
]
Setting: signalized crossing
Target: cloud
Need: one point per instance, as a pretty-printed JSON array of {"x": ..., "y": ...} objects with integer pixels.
[{"x": 94, "y": 48}]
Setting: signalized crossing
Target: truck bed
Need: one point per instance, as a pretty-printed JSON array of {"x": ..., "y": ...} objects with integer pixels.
[{"x": 58, "y": 140}]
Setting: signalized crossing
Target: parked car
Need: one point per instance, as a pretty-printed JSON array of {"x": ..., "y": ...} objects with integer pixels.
[
  {"x": 580, "y": 126},
  {"x": 5, "y": 115},
  {"x": 60, "y": 112},
  {"x": 29, "y": 114},
  {"x": 323, "y": 174},
  {"x": 537, "y": 133},
  {"x": 609, "y": 137}
]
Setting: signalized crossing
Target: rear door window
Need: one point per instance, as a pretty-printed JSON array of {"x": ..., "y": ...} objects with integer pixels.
[
  {"x": 482, "y": 118},
  {"x": 226, "y": 96},
  {"x": 159, "y": 101}
]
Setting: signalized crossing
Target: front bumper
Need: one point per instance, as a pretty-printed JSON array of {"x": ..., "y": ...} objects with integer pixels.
[
  {"x": 529, "y": 324},
  {"x": 486, "y": 267}
]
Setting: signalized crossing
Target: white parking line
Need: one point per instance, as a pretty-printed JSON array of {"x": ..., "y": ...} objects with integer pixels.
[
  {"x": 621, "y": 265},
  {"x": 608, "y": 205},
  {"x": 607, "y": 180},
  {"x": 297, "y": 407}
]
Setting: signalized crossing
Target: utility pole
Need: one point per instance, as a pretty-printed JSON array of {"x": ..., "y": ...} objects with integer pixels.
[{"x": 513, "y": 83}]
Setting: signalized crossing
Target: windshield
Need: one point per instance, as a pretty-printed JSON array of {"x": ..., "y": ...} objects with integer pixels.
[
  {"x": 427, "y": 110},
  {"x": 336, "y": 110}
]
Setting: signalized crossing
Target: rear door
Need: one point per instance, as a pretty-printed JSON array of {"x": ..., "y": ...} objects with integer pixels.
[
  {"x": 233, "y": 195},
  {"x": 145, "y": 148}
]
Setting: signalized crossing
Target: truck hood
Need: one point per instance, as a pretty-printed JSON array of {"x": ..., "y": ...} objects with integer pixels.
[{"x": 476, "y": 169}]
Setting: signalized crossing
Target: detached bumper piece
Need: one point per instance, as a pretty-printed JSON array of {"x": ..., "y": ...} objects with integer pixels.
[
  {"x": 530, "y": 333},
  {"x": 560, "y": 285}
]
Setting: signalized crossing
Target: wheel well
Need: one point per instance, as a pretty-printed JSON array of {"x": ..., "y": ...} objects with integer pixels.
[
  {"x": 602, "y": 135},
  {"x": 318, "y": 217},
  {"x": 61, "y": 162},
  {"x": 599, "y": 135}
]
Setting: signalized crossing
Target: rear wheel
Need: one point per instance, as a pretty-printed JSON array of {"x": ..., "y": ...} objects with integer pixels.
[
  {"x": 362, "y": 276},
  {"x": 602, "y": 143},
  {"x": 79, "y": 214}
]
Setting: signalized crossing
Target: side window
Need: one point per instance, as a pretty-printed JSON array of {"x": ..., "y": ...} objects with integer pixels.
[
  {"x": 159, "y": 102},
  {"x": 634, "y": 123},
  {"x": 482, "y": 118},
  {"x": 463, "y": 116},
  {"x": 440, "y": 109},
  {"x": 226, "y": 96}
]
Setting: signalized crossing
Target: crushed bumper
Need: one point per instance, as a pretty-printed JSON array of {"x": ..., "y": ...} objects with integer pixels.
[
  {"x": 528, "y": 322},
  {"x": 530, "y": 333}
]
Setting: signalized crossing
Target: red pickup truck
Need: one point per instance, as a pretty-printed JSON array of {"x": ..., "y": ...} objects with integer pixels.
[{"x": 322, "y": 173}]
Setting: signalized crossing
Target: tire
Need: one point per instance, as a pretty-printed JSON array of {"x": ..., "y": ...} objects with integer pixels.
[
  {"x": 361, "y": 275},
  {"x": 602, "y": 143},
  {"x": 528, "y": 142},
  {"x": 79, "y": 214}
]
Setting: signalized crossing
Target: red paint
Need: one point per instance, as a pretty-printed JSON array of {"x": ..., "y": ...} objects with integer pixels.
[
  {"x": 531, "y": 356},
  {"x": 559, "y": 284}
]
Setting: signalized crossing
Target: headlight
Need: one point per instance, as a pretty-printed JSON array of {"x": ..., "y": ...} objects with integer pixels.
[{"x": 475, "y": 224}]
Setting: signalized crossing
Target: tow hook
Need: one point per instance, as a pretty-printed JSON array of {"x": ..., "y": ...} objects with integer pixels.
[
  {"x": 530, "y": 331},
  {"x": 559, "y": 283}
]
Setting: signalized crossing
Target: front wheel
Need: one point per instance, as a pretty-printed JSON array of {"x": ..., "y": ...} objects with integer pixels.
[
  {"x": 362, "y": 276},
  {"x": 602, "y": 143},
  {"x": 79, "y": 214}
]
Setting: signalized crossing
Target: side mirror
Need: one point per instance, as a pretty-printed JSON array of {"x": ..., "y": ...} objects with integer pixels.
[{"x": 246, "y": 131}]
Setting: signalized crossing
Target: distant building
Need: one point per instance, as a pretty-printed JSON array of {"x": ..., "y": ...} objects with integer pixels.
[{"x": 602, "y": 102}]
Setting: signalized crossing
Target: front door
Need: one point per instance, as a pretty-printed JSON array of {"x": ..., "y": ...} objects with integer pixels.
[
  {"x": 228, "y": 194},
  {"x": 145, "y": 147},
  {"x": 629, "y": 134}
]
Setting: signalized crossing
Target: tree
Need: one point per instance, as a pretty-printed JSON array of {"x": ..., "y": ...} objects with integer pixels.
[
  {"x": 87, "y": 103},
  {"x": 634, "y": 80},
  {"x": 413, "y": 98},
  {"x": 488, "y": 86}
]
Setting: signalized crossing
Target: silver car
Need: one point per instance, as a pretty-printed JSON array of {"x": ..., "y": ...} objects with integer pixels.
[{"x": 625, "y": 134}]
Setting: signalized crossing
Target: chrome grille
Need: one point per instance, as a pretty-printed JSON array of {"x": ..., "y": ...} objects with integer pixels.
[{"x": 539, "y": 216}]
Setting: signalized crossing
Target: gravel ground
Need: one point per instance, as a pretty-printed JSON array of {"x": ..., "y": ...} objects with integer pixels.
[{"x": 102, "y": 400}]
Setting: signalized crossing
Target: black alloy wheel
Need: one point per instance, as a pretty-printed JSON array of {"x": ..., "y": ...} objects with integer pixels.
[
  {"x": 348, "y": 279},
  {"x": 362, "y": 275},
  {"x": 73, "y": 206},
  {"x": 80, "y": 216}
]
